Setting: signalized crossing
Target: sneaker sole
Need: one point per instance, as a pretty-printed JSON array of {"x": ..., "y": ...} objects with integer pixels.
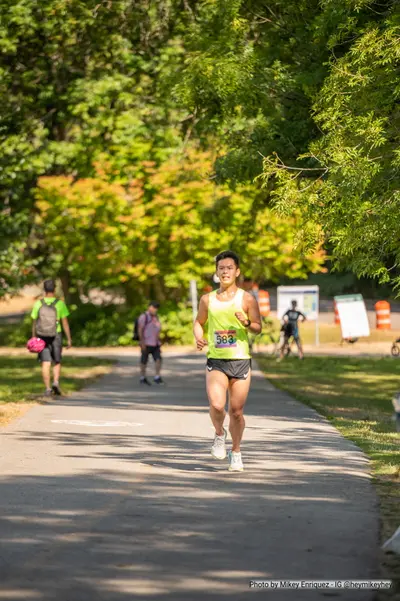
[
  {"x": 218, "y": 458},
  {"x": 226, "y": 454},
  {"x": 232, "y": 469}
]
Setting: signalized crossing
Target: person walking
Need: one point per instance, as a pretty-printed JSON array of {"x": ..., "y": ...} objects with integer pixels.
[
  {"x": 149, "y": 338},
  {"x": 50, "y": 318},
  {"x": 230, "y": 313},
  {"x": 290, "y": 328}
]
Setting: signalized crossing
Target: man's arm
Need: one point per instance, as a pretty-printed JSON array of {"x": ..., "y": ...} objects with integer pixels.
[
  {"x": 34, "y": 316},
  {"x": 141, "y": 327},
  {"x": 253, "y": 311},
  {"x": 198, "y": 326},
  {"x": 303, "y": 316},
  {"x": 65, "y": 325}
]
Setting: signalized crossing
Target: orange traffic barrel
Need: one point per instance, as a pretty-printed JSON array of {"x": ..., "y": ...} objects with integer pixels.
[
  {"x": 382, "y": 310},
  {"x": 337, "y": 318},
  {"x": 263, "y": 301}
]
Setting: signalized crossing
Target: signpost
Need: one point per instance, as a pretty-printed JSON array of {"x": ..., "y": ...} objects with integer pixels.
[
  {"x": 353, "y": 315},
  {"x": 193, "y": 297},
  {"x": 307, "y": 298}
]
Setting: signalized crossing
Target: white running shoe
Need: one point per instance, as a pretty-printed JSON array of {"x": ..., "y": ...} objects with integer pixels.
[
  {"x": 218, "y": 450},
  {"x": 235, "y": 462}
]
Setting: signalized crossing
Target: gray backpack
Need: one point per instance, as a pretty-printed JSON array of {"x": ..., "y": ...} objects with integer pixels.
[{"x": 46, "y": 324}]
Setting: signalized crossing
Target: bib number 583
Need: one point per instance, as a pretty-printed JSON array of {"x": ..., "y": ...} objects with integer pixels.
[{"x": 225, "y": 339}]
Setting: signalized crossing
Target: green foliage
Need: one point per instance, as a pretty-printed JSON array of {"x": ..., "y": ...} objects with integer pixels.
[
  {"x": 251, "y": 75},
  {"x": 177, "y": 324},
  {"x": 149, "y": 239},
  {"x": 14, "y": 267},
  {"x": 354, "y": 192},
  {"x": 190, "y": 219},
  {"x": 109, "y": 325},
  {"x": 85, "y": 231},
  {"x": 313, "y": 87},
  {"x": 80, "y": 81}
]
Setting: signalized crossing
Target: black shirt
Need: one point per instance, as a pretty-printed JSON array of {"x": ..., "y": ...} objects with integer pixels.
[{"x": 293, "y": 316}]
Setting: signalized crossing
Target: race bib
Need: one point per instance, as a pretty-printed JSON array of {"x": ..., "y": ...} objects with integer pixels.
[{"x": 225, "y": 339}]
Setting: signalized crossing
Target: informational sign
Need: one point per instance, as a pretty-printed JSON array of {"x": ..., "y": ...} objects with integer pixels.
[
  {"x": 353, "y": 315},
  {"x": 307, "y": 298}
]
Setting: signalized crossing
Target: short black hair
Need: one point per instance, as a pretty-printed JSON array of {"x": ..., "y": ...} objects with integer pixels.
[
  {"x": 49, "y": 286},
  {"x": 154, "y": 304},
  {"x": 227, "y": 254}
]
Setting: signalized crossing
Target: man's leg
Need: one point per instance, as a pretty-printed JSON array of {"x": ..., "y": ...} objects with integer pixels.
[
  {"x": 143, "y": 364},
  {"x": 56, "y": 378},
  {"x": 156, "y": 353},
  {"x": 157, "y": 361},
  {"x": 56, "y": 355},
  {"x": 56, "y": 372},
  {"x": 238, "y": 393},
  {"x": 284, "y": 344},
  {"x": 46, "y": 374},
  {"x": 299, "y": 346},
  {"x": 217, "y": 385}
]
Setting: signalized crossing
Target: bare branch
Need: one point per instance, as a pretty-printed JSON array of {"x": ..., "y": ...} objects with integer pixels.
[{"x": 281, "y": 165}]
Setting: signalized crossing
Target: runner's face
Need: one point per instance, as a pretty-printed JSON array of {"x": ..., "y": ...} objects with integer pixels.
[{"x": 227, "y": 271}]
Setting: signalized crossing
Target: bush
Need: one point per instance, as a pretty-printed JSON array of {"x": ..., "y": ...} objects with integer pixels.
[
  {"x": 177, "y": 324},
  {"x": 110, "y": 325}
]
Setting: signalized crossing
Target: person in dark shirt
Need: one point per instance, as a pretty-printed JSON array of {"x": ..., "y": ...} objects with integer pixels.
[{"x": 290, "y": 328}]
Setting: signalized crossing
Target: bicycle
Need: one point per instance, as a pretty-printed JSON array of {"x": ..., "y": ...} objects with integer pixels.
[
  {"x": 395, "y": 350},
  {"x": 268, "y": 337}
]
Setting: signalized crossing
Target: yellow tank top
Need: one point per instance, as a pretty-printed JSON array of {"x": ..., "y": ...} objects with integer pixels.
[{"x": 227, "y": 337}]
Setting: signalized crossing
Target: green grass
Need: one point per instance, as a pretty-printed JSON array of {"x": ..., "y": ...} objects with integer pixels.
[
  {"x": 355, "y": 395},
  {"x": 21, "y": 381},
  {"x": 331, "y": 333}
]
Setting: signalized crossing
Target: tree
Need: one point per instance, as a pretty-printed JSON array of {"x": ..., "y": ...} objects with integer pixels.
[
  {"x": 189, "y": 219},
  {"x": 312, "y": 87},
  {"x": 353, "y": 190},
  {"x": 85, "y": 232},
  {"x": 80, "y": 80}
]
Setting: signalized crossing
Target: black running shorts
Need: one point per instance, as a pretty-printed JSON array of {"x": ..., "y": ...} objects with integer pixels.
[
  {"x": 238, "y": 369},
  {"x": 155, "y": 351},
  {"x": 52, "y": 352}
]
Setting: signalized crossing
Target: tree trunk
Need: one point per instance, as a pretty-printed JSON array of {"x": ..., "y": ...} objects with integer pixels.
[{"x": 71, "y": 294}]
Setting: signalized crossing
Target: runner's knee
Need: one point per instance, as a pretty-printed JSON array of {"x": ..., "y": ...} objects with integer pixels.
[
  {"x": 217, "y": 406},
  {"x": 236, "y": 413}
]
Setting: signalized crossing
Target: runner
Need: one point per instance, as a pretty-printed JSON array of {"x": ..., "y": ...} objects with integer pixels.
[
  {"x": 231, "y": 313},
  {"x": 290, "y": 328}
]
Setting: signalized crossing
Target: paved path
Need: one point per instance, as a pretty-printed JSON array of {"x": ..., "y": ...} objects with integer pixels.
[{"x": 111, "y": 495}]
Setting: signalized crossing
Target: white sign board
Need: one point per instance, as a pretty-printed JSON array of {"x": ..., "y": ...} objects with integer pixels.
[
  {"x": 307, "y": 298},
  {"x": 353, "y": 315}
]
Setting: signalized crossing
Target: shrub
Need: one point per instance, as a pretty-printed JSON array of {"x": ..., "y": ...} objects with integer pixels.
[{"x": 110, "y": 325}]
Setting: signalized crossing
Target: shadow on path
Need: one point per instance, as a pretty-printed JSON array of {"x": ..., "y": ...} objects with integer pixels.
[{"x": 143, "y": 512}]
